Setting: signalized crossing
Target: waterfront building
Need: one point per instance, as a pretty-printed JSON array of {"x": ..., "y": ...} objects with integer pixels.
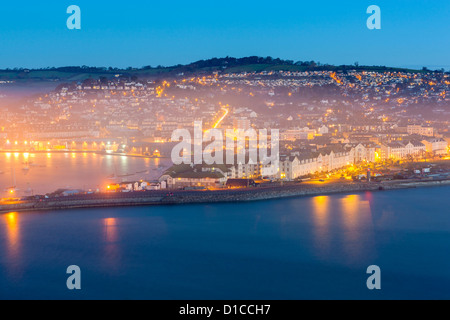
[
  {"x": 364, "y": 151},
  {"x": 437, "y": 146},
  {"x": 292, "y": 167},
  {"x": 324, "y": 160},
  {"x": 182, "y": 176},
  {"x": 399, "y": 150}
]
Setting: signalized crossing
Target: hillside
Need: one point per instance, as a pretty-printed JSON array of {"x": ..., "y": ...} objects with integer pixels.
[{"x": 223, "y": 65}]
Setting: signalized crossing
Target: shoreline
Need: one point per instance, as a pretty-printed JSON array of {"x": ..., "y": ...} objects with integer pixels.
[
  {"x": 181, "y": 197},
  {"x": 85, "y": 151}
]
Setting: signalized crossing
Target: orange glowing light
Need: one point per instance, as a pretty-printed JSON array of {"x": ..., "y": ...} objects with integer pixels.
[
  {"x": 221, "y": 119},
  {"x": 333, "y": 76}
]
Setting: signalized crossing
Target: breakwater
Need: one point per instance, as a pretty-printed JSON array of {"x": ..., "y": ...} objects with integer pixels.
[{"x": 172, "y": 197}]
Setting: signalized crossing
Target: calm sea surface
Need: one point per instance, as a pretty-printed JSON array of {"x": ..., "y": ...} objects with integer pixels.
[
  {"x": 299, "y": 248},
  {"x": 46, "y": 172}
]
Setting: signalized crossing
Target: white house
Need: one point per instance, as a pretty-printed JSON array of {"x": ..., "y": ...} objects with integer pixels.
[
  {"x": 437, "y": 146},
  {"x": 399, "y": 150}
]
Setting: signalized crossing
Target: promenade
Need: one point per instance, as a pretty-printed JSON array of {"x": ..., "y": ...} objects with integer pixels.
[{"x": 178, "y": 197}]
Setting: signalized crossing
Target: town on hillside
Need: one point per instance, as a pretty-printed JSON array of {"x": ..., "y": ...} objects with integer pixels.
[{"x": 334, "y": 123}]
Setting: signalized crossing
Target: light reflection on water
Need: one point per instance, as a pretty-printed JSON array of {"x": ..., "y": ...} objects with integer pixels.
[
  {"x": 111, "y": 244},
  {"x": 352, "y": 214},
  {"x": 12, "y": 252},
  {"x": 359, "y": 231},
  {"x": 321, "y": 225},
  {"x": 110, "y": 230},
  {"x": 48, "y": 172},
  {"x": 311, "y": 247}
]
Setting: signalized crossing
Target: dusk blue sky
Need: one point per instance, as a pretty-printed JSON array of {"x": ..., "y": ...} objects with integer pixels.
[{"x": 137, "y": 33}]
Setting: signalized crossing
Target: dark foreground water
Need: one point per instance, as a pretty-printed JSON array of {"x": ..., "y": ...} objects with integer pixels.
[{"x": 314, "y": 247}]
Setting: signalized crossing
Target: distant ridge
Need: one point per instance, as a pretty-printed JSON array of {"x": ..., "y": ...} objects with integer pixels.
[{"x": 223, "y": 65}]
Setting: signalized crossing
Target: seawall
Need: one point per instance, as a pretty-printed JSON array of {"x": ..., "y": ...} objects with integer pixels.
[{"x": 186, "y": 197}]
